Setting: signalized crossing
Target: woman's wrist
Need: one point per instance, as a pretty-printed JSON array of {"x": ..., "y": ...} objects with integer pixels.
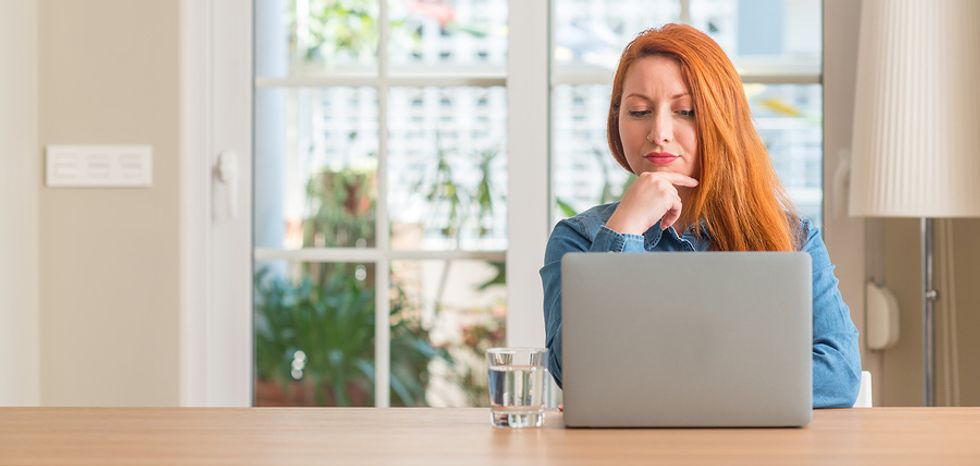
[{"x": 617, "y": 224}]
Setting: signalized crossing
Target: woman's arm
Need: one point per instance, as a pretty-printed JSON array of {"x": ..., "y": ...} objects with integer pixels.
[
  {"x": 836, "y": 357},
  {"x": 571, "y": 236}
]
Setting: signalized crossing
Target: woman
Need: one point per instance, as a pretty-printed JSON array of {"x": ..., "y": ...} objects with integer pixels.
[{"x": 679, "y": 121}]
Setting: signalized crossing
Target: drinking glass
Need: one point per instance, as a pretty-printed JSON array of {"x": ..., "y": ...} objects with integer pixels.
[{"x": 516, "y": 384}]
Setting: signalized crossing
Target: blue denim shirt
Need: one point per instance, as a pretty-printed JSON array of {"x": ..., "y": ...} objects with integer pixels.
[{"x": 836, "y": 359}]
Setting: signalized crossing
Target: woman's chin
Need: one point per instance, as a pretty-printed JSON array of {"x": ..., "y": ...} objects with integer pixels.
[
  {"x": 652, "y": 168},
  {"x": 644, "y": 166}
]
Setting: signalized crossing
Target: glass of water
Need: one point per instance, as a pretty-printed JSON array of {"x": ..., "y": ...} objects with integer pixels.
[{"x": 516, "y": 383}]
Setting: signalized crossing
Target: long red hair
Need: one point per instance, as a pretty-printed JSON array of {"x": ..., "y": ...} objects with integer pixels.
[{"x": 739, "y": 196}]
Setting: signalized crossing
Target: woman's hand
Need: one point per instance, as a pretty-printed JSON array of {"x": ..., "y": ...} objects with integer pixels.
[{"x": 651, "y": 197}]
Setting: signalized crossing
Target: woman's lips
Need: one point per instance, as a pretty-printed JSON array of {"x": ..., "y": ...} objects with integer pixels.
[{"x": 661, "y": 158}]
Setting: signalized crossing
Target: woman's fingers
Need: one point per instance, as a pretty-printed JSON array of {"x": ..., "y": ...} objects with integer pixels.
[
  {"x": 673, "y": 213},
  {"x": 679, "y": 180},
  {"x": 653, "y": 198}
]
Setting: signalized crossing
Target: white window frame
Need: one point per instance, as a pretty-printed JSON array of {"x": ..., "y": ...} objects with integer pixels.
[
  {"x": 215, "y": 246},
  {"x": 216, "y": 362},
  {"x": 216, "y": 250}
]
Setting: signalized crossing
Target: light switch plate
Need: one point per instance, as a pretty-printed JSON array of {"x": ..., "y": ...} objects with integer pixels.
[{"x": 98, "y": 166}]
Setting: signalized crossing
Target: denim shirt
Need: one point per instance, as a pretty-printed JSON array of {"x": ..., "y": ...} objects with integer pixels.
[{"x": 836, "y": 359}]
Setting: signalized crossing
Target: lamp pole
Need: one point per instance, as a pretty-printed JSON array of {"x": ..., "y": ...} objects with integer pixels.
[{"x": 929, "y": 296}]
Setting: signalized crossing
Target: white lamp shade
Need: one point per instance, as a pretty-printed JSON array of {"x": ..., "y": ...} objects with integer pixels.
[{"x": 916, "y": 141}]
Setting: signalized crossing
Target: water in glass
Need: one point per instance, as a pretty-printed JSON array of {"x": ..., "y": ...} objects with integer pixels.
[{"x": 517, "y": 395}]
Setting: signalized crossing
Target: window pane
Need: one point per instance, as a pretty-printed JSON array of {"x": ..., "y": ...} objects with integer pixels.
[
  {"x": 447, "y": 168},
  {"x": 584, "y": 172},
  {"x": 779, "y": 37},
  {"x": 445, "y": 314},
  {"x": 774, "y": 36},
  {"x": 315, "y": 167},
  {"x": 591, "y": 34},
  {"x": 468, "y": 35},
  {"x": 315, "y": 37},
  {"x": 314, "y": 334},
  {"x": 789, "y": 120},
  {"x": 767, "y": 36}
]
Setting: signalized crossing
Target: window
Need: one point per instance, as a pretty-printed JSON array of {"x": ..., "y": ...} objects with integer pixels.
[
  {"x": 381, "y": 166},
  {"x": 775, "y": 45},
  {"x": 380, "y": 201}
]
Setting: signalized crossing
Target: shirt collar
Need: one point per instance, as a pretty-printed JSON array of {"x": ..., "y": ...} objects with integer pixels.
[{"x": 653, "y": 235}]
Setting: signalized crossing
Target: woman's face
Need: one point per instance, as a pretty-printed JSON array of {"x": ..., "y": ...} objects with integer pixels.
[{"x": 656, "y": 118}]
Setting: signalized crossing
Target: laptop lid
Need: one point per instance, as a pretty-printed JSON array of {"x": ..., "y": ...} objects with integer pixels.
[{"x": 686, "y": 339}]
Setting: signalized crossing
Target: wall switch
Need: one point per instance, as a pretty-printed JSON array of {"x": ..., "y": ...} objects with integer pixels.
[{"x": 102, "y": 166}]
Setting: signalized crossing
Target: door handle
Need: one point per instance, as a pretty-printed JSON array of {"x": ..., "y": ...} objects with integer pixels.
[{"x": 226, "y": 172}]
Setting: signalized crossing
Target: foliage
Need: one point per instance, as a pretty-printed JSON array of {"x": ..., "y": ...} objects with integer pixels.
[
  {"x": 339, "y": 30},
  {"x": 411, "y": 353},
  {"x": 477, "y": 339},
  {"x": 474, "y": 205},
  {"x": 320, "y": 332},
  {"x": 334, "y": 29},
  {"x": 343, "y": 209},
  {"x": 321, "y": 327},
  {"x": 443, "y": 189},
  {"x": 606, "y": 195},
  {"x": 463, "y": 204},
  {"x": 484, "y": 199},
  {"x": 325, "y": 333}
]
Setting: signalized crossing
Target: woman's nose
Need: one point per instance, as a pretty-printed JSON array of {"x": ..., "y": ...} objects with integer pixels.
[{"x": 662, "y": 129}]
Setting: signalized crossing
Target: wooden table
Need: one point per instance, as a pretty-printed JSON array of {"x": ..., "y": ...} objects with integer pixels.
[{"x": 252, "y": 436}]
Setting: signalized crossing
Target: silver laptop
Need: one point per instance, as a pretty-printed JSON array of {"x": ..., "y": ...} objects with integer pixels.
[{"x": 709, "y": 339}]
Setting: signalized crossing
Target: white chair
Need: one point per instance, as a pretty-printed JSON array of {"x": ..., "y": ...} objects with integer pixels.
[{"x": 864, "y": 393}]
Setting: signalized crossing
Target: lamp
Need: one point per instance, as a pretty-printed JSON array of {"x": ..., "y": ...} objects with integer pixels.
[{"x": 916, "y": 146}]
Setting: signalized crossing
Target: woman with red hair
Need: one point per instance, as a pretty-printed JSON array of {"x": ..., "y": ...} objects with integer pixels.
[{"x": 679, "y": 121}]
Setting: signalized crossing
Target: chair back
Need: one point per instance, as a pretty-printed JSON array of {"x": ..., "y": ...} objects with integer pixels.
[{"x": 864, "y": 394}]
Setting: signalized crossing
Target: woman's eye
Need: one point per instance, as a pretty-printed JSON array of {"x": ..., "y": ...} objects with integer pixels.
[
  {"x": 639, "y": 113},
  {"x": 686, "y": 113}
]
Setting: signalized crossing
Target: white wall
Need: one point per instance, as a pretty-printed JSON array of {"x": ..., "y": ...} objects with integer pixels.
[
  {"x": 845, "y": 236},
  {"x": 19, "y": 175}
]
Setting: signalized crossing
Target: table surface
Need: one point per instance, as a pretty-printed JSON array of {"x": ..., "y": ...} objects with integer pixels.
[{"x": 433, "y": 436}]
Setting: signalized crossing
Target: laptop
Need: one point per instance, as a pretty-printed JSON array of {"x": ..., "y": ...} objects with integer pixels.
[{"x": 690, "y": 339}]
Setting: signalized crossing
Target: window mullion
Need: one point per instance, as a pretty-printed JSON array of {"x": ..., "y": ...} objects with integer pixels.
[
  {"x": 528, "y": 98},
  {"x": 685, "y": 8},
  {"x": 443, "y": 80},
  {"x": 382, "y": 336},
  {"x": 341, "y": 255}
]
